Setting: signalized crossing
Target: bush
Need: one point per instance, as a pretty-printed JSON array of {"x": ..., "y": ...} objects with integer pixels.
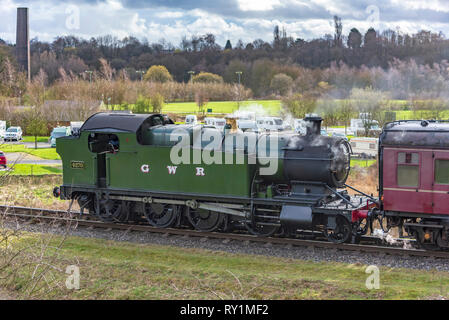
[
  {"x": 207, "y": 77},
  {"x": 157, "y": 101},
  {"x": 142, "y": 105},
  {"x": 158, "y": 74}
]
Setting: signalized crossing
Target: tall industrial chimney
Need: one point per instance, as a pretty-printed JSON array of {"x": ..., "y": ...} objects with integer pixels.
[{"x": 23, "y": 41}]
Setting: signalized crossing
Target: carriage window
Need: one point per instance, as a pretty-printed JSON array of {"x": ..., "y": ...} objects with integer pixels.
[
  {"x": 408, "y": 169},
  {"x": 408, "y": 158},
  {"x": 372, "y": 146},
  {"x": 442, "y": 171}
]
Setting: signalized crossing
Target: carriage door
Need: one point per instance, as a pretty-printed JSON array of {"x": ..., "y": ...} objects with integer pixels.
[{"x": 440, "y": 187}]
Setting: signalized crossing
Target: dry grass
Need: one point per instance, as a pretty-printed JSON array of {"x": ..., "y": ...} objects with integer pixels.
[
  {"x": 364, "y": 179},
  {"x": 36, "y": 192}
]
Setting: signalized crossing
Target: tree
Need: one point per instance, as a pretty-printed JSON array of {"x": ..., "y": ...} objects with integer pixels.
[
  {"x": 228, "y": 45},
  {"x": 207, "y": 77},
  {"x": 354, "y": 39},
  {"x": 369, "y": 103},
  {"x": 299, "y": 105},
  {"x": 158, "y": 74},
  {"x": 345, "y": 111},
  {"x": 281, "y": 83},
  {"x": 157, "y": 102},
  {"x": 338, "y": 42},
  {"x": 201, "y": 99},
  {"x": 329, "y": 109},
  {"x": 35, "y": 124}
]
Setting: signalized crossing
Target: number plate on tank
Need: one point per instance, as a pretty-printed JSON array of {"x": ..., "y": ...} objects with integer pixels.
[{"x": 77, "y": 164}]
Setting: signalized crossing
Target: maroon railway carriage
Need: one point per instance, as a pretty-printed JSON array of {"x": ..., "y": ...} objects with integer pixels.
[{"x": 414, "y": 179}]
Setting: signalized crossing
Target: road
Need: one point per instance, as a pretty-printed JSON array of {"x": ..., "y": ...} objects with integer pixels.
[{"x": 25, "y": 158}]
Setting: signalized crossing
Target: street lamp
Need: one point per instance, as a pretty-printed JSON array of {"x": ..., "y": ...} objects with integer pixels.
[
  {"x": 239, "y": 73},
  {"x": 90, "y": 75},
  {"x": 191, "y": 75},
  {"x": 141, "y": 74}
]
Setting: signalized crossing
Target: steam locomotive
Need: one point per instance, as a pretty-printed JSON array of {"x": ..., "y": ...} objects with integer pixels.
[{"x": 130, "y": 167}]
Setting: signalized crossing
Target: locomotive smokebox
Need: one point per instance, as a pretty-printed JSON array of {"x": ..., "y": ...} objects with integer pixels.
[{"x": 313, "y": 125}]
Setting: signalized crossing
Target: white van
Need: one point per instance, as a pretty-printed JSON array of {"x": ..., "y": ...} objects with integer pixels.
[
  {"x": 2, "y": 129},
  {"x": 365, "y": 147},
  {"x": 192, "y": 120},
  {"x": 357, "y": 125},
  {"x": 270, "y": 124},
  {"x": 75, "y": 127},
  {"x": 215, "y": 122}
]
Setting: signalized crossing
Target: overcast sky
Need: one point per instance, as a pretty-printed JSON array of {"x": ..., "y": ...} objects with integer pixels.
[{"x": 227, "y": 19}]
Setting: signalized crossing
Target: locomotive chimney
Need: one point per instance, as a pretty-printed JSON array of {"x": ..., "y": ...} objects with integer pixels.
[
  {"x": 23, "y": 41},
  {"x": 313, "y": 124}
]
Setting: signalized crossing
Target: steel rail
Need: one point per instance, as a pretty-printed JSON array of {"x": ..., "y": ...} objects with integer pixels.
[{"x": 55, "y": 215}]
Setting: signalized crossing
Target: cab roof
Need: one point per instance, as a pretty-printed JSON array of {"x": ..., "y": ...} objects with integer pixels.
[{"x": 115, "y": 122}]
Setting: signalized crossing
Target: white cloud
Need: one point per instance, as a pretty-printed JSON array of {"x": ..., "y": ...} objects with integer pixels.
[
  {"x": 436, "y": 5},
  {"x": 258, "y": 5},
  {"x": 47, "y": 19}
]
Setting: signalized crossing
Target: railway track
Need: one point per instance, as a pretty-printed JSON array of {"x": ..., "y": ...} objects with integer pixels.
[{"x": 61, "y": 216}]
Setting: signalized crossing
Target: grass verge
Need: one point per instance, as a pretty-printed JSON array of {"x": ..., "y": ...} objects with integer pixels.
[
  {"x": 44, "y": 153},
  {"x": 362, "y": 163},
  {"x": 20, "y": 169},
  {"x": 39, "y": 139},
  {"x": 113, "y": 270}
]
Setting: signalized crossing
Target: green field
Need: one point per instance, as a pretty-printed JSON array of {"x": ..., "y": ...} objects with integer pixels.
[
  {"x": 39, "y": 139},
  {"x": 119, "y": 270},
  {"x": 272, "y": 107},
  {"x": 362, "y": 163},
  {"x": 21, "y": 169}
]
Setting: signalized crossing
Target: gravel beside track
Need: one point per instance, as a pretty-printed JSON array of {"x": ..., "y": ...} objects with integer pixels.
[{"x": 309, "y": 253}]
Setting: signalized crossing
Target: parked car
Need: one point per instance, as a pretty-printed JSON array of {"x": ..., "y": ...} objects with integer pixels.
[
  {"x": 75, "y": 127},
  {"x": 2, "y": 159},
  {"x": 2, "y": 129},
  {"x": 365, "y": 148},
  {"x": 215, "y": 122},
  {"x": 247, "y": 125},
  {"x": 339, "y": 135},
  {"x": 58, "y": 133},
  {"x": 191, "y": 119},
  {"x": 270, "y": 124},
  {"x": 13, "y": 133}
]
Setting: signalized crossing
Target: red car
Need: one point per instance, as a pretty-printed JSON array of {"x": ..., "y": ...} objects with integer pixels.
[{"x": 2, "y": 159}]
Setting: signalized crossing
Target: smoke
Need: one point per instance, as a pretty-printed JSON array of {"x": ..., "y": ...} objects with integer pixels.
[
  {"x": 251, "y": 111},
  {"x": 379, "y": 233}
]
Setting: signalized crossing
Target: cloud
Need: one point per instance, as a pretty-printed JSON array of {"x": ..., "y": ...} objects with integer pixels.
[{"x": 227, "y": 19}]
